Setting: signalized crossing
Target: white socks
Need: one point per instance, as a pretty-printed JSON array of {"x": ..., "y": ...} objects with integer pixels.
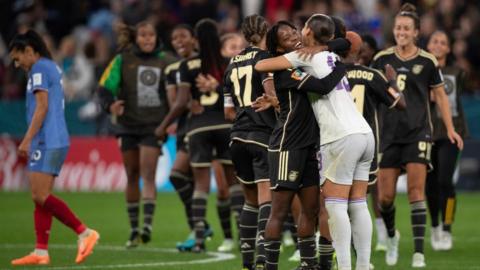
[
  {"x": 84, "y": 234},
  {"x": 361, "y": 231},
  {"x": 381, "y": 230},
  {"x": 40, "y": 252},
  {"x": 340, "y": 230}
]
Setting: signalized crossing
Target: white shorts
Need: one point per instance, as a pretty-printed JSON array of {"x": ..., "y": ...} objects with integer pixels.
[{"x": 347, "y": 159}]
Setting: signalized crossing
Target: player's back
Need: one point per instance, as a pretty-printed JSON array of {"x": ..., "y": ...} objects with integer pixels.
[
  {"x": 335, "y": 112},
  {"x": 45, "y": 75},
  {"x": 244, "y": 85}
]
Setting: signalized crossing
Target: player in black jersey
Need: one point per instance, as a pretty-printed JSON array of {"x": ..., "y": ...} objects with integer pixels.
[
  {"x": 183, "y": 41},
  {"x": 293, "y": 150},
  {"x": 208, "y": 131},
  {"x": 249, "y": 137},
  {"x": 440, "y": 188},
  {"x": 407, "y": 135}
]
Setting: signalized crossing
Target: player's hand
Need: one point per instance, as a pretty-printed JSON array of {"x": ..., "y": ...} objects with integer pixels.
[
  {"x": 264, "y": 102},
  {"x": 206, "y": 83},
  {"x": 455, "y": 138},
  {"x": 172, "y": 128},
  {"x": 161, "y": 132},
  {"x": 24, "y": 148},
  {"x": 390, "y": 73},
  {"x": 117, "y": 107},
  {"x": 307, "y": 53}
]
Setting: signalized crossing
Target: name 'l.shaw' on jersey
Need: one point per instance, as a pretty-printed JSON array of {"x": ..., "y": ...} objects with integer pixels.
[
  {"x": 416, "y": 76},
  {"x": 243, "y": 85}
]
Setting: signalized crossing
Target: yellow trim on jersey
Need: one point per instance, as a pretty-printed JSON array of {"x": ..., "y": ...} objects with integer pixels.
[
  {"x": 380, "y": 73},
  {"x": 200, "y": 165},
  {"x": 283, "y": 165},
  {"x": 186, "y": 84},
  {"x": 249, "y": 141},
  {"x": 409, "y": 58},
  {"x": 208, "y": 128},
  {"x": 225, "y": 161},
  {"x": 303, "y": 81},
  {"x": 174, "y": 66},
  {"x": 437, "y": 85},
  {"x": 288, "y": 117},
  {"x": 388, "y": 51},
  {"x": 429, "y": 56}
]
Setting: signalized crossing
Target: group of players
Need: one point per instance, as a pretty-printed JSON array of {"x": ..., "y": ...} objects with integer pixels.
[{"x": 297, "y": 118}]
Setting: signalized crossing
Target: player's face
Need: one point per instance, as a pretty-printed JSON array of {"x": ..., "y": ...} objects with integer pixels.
[
  {"x": 233, "y": 46},
  {"x": 146, "y": 38},
  {"x": 366, "y": 54},
  {"x": 22, "y": 59},
  {"x": 183, "y": 42},
  {"x": 438, "y": 45},
  {"x": 288, "y": 39},
  {"x": 404, "y": 31}
]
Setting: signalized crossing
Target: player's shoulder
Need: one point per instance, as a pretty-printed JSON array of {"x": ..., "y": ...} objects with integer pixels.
[
  {"x": 389, "y": 52},
  {"x": 428, "y": 57},
  {"x": 191, "y": 63},
  {"x": 173, "y": 67},
  {"x": 43, "y": 64}
]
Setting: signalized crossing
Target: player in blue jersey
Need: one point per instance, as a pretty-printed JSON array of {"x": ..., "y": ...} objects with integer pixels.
[{"x": 46, "y": 145}]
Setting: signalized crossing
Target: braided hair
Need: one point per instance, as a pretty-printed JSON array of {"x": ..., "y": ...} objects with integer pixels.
[{"x": 254, "y": 28}]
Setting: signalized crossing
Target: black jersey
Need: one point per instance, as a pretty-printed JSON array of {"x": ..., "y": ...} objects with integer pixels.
[
  {"x": 212, "y": 116},
  {"x": 170, "y": 73},
  {"x": 415, "y": 77},
  {"x": 243, "y": 84},
  {"x": 296, "y": 126},
  {"x": 454, "y": 81},
  {"x": 369, "y": 90}
]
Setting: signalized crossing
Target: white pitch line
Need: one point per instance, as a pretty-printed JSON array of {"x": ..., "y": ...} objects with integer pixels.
[{"x": 216, "y": 257}]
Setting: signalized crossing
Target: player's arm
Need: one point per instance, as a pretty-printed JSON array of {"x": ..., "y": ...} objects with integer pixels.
[
  {"x": 325, "y": 85},
  {"x": 393, "y": 90},
  {"x": 41, "y": 109},
  {"x": 180, "y": 104},
  {"x": 444, "y": 106},
  {"x": 228, "y": 105},
  {"x": 440, "y": 96}
]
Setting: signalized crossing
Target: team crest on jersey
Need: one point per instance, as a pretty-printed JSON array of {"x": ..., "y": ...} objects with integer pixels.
[
  {"x": 292, "y": 176},
  {"x": 298, "y": 75},
  {"x": 417, "y": 69}
]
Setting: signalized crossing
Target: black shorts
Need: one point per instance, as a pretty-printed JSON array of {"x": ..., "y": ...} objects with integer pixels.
[
  {"x": 205, "y": 146},
  {"x": 182, "y": 143},
  {"x": 294, "y": 169},
  {"x": 398, "y": 155},
  {"x": 132, "y": 141},
  {"x": 250, "y": 161}
]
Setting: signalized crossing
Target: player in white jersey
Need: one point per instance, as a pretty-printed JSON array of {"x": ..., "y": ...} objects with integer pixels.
[{"x": 347, "y": 147}]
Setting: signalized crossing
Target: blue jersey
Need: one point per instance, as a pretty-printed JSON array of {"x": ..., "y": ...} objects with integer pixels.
[{"x": 45, "y": 75}]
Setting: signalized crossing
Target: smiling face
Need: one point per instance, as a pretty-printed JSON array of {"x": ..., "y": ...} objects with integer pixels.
[
  {"x": 404, "y": 31},
  {"x": 439, "y": 45},
  {"x": 288, "y": 39},
  {"x": 183, "y": 42},
  {"x": 233, "y": 46},
  {"x": 146, "y": 38}
]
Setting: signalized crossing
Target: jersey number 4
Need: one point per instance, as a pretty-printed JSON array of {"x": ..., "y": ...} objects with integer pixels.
[
  {"x": 358, "y": 94},
  {"x": 244, "y": 99}
]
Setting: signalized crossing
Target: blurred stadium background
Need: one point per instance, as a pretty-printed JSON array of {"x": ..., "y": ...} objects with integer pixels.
[{"x": 81, "y": 35}]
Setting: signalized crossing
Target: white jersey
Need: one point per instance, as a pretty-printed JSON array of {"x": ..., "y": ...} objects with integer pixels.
[{"x": 336, "y": 113}]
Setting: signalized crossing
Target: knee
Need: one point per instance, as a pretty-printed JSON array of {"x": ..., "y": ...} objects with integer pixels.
[
  {"x": 415, "y": 194},
  {"x": 311, "y": 213},
  {"x": 132, "y": 173},
  {"x": 39, "y": 197},
  {"x": 148, "y": 173}
]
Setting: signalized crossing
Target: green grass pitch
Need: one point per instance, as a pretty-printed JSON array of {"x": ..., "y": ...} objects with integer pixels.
[{"x": 106, "y": 213}]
